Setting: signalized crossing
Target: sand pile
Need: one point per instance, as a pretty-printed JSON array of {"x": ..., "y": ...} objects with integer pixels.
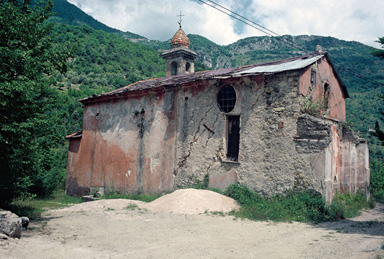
[
  {"x": 184, "y": 201},
  {"x": 192, "y": 201}
]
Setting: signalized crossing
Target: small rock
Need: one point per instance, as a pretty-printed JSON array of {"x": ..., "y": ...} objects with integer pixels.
[
  {"x": 278, "y": 109},
  {"x": 24, "y": 222},
  {"x": 97, "y": 195},
  {"x": 5, "y": 237},
  {"x": 268, "y": 90}
]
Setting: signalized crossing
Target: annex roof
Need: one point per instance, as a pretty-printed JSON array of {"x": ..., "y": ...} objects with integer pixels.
[
  {"x": 290, "y": 64},
  {"x": 286, "y": 66}
]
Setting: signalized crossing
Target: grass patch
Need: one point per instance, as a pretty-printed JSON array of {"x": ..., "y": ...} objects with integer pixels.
[
  {"x": 131, "y": 206},
  {"x": 306, "y": 206},
  {"x": 130, "y": 196},
  {"x": 33, "y": 207},
  {"x": 352, "y": 204}
]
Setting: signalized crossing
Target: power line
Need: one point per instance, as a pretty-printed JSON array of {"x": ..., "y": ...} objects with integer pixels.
[
  {"x": 245, "y": 18},
  {"x": 250, "y": 23}
]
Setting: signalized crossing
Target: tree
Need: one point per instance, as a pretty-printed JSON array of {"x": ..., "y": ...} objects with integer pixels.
[
  {"x": 380, "y": 53},
  {"x": 378, "y": 133},
  {"x": 31, "y": 115}
]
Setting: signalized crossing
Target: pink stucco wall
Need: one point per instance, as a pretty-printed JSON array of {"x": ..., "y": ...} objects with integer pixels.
[
  {"x": 118, "y": 146},
  {"x": 324, "y": 75}
]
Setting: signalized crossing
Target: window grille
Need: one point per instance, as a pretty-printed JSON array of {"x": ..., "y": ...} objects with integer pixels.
[{"x": 227, "y": 99}]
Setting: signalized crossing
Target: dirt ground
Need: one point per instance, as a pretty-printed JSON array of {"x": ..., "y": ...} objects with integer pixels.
[{"x": 132, "y": 229}]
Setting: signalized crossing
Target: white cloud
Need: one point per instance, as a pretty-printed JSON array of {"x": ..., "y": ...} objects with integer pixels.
[
  {"x": 356, "y": 20},
  {"x": 359, "y": 20}
]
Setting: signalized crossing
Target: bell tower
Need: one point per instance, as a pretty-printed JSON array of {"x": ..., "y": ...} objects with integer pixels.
[{"x": 180, "y": 59}]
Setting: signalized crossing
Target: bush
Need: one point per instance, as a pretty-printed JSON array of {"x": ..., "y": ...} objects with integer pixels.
[
  {"x": 306, "y": 206},
  {"x": 377, "y": 179},
  {"x": 242, "y": 194}
]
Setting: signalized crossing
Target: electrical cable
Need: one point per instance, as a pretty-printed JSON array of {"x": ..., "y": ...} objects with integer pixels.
[{"x": 253, "y": 25}]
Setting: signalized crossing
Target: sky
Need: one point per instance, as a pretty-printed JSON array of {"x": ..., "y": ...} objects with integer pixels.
[{"x": 352, "y": 20}]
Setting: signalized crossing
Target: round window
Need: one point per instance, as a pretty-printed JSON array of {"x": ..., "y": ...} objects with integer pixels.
[{"x": 226, "y": 98}]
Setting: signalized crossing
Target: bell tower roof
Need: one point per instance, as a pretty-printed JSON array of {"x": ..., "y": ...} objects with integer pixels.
[{"x": 180, "y": 39}]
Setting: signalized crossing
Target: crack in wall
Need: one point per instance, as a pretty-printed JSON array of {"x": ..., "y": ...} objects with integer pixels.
[{"x": 183, "y": 160}]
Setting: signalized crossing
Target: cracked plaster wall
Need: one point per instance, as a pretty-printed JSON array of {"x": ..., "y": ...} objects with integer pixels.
[{"x": 268, "y": 109}]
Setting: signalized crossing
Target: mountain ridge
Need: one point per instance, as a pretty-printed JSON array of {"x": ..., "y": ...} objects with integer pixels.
[{"x": 100, "y": 63}]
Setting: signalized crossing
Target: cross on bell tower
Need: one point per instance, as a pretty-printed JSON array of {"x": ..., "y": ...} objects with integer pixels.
[
  {"x": 180, "y": 59},
  {"x": 180, "y": 16}
]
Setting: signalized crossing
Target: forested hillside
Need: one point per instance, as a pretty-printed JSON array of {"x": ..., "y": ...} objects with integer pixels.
[
  {"x": 103, "y": 59},
  {"x": 101, "y": 62}
]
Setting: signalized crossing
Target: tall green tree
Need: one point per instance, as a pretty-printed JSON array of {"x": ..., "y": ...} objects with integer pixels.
[
  {"x": 378, "y": 132},
  {"x": 380, "y": 53},
  {"x": 31, "y": 114}
]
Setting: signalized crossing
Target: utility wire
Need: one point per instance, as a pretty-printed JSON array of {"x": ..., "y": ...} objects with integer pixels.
[
  {"x": 245, "y": 18},
  {"x": 250, "y": 23}
]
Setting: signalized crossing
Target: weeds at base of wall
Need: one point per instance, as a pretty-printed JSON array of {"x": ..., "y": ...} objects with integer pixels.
[
  {"x": 307, "y": 206},
  {"x": 201, "y": 185},
  {"x": 198, "y": 184},
  {"x": 130, "y": 196}
]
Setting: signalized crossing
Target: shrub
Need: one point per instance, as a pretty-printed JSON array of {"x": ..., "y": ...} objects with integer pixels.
[
  {"x": 377, "y": 179},
  {"x": 242, "y": 194},
  {"x": 307, "y": 206}
]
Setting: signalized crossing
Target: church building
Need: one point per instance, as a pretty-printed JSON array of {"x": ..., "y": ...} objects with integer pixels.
[{"x": 273, "y": 127}]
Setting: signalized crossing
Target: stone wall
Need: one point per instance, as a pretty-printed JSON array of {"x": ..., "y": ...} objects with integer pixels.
[{"x": 268, "y": 160}]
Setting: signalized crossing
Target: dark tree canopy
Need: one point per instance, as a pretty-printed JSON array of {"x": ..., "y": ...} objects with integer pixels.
[
  {"x": 380, "y": 53},
  {"x": 31, "y": 117}
]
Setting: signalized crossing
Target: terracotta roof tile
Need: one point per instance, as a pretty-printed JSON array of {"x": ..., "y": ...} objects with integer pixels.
[{"x": 180, "y": 39}]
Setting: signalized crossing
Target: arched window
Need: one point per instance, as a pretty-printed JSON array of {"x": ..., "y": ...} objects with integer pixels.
[
  {"x": 187, "y": 67},
  {"x": 173, "y": 68},
  {"x": 226, "y": 98}
]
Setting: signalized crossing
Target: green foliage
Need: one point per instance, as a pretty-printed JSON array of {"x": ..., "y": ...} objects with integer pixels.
[
  {"x": 380, "y": 53},
  {"x": 73, "y": 15},
  {"x": 349, "y": 205},
  {"x": 313, "y": 108},
  {"x": 377, "y": 179},
  {"x": 131, "y": 206},
  {"x": 198, "y": 184},
  {"x": 31, "y": 115},
  {"x": 101, "y": 62},
  {"x": 33, "y": 207},
  {"x": 307, "y": 206},
  {"x": 378, "y": 133},
  {"x": 130, "y": 196},
  {"x": 242, "y": 194},
  {"x": 201, "y": 67}
]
